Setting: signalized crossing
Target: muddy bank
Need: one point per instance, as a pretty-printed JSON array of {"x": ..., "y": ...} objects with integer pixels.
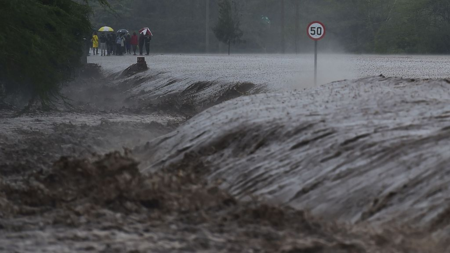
[{"x": 105, "y": 204}]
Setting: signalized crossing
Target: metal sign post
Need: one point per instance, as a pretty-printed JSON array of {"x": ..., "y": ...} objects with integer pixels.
[
  {"x": 316, "y": 31},
  {"x": 315, "y": 62}
]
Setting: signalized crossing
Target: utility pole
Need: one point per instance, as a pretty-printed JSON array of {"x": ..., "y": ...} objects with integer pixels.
[
  {"x": 283, "y": 49},
  {"x": 297, "y": 23},
  {"x": 207, "y": 27}
]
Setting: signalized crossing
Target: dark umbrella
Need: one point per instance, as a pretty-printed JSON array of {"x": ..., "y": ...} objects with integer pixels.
[{"x": 123, "y": 31}]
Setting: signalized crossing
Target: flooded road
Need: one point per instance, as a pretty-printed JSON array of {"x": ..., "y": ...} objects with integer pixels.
[{"x": 233, "y": 154}]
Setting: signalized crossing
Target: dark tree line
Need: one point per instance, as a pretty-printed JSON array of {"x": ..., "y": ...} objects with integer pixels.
[
  {"x": 357, "y": 26},
  {"x": 41, "y": 43}
]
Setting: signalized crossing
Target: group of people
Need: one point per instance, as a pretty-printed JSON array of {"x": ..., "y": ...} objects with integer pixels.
[{"x": 120, "y": 43}]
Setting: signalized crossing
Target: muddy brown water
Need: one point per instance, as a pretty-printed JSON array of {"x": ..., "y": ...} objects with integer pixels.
[
  {"x": 106, "y": 205},
  {"x": 368, "y": 151},
  {"x": 65, "y": 188}
]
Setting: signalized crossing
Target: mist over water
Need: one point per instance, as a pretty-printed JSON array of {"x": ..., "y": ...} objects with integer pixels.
[
  {"x": 330, "y": 67},
  {"x": 335, "y": 67},
  {"x": 279, "y": 72}
]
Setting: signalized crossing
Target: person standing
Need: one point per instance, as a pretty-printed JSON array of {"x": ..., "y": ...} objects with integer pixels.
[
  {"x": 128, "y": 43},
  {"x": 95, "y": 43},
  {"x": 122, "y": 45},
  {"x": 118, "y": 45},
  {"x": 103, "y": 44},
  {"x": 109, "y": 44},
  {"x": 113, "y": 42},
  {"x": 134, "y": 42},
  {"x": 148, "y": 38},
  {"x": 141, "y": 44}
]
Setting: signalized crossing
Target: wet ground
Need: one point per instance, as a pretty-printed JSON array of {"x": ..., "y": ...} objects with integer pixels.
[{"x": 78, "y": 179}]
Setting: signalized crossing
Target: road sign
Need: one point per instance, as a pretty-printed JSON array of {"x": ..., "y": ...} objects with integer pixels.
[{"x": 316, "y": 30}]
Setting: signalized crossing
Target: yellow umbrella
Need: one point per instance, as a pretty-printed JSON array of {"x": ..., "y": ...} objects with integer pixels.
[{"x": 106, "y": 29}]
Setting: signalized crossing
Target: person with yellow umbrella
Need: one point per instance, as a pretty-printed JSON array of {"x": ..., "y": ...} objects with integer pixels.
[{"x": 96, "y": 40}]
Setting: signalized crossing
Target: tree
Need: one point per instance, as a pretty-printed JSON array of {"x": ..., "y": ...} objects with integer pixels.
[
  {"x": 42, "y": 42},
  {"x": 227, "y": 29}
]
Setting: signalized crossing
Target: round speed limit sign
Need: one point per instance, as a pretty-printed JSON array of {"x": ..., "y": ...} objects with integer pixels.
[{"x": 316, "y": 30}]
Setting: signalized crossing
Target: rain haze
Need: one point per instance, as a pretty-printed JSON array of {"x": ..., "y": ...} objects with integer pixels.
[{"x": 225, "y": 126}]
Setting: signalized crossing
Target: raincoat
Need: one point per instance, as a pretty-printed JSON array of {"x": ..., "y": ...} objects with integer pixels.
[
  {"x": 95, "y": 41},
  {"x": 134, "y": 40}
]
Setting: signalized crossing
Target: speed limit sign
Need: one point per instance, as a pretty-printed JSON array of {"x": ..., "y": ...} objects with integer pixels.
[{"x": 316, "y": 30}]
